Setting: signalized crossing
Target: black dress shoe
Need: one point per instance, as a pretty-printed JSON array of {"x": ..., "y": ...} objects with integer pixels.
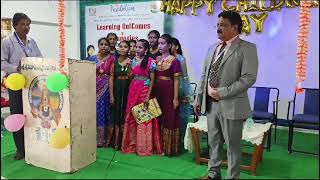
[
  {"x": 206, "y": 178},
  {"x": 209, "y": 178},
  {"x": 203, "y": 178},
  {"x": 18, "y": 156},
  {"x": 218, "y": 177}
]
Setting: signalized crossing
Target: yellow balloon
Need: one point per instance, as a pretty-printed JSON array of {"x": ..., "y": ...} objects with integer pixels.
[
  {"x": 60, "y": 138},
  {"x": 246, "y": 24},
  {"x": 224, "y": 6},
  {"x": 242, "y": 3},
  {"x": 210, "y": 4},
  {"x": 175, "y": 7},
  {"x": 254, "y": 6},
  {"x": 196, "y": 4},
  {"x": 263, "y": 7},
  {"x": 163, "y": 6},
  {"x": 259, "y": 20},
  {"x": 277, "y": 5},
  {"x": 315, "y": 3},
  {"x": 292, "y": 3},
  {"x": 15, "y": 81},
  {"x": 166, "y": 6},
  {"x": 296, "y": 3},
  {"x": 185, "y": 4},
  {"x": 169, "y": 10}
]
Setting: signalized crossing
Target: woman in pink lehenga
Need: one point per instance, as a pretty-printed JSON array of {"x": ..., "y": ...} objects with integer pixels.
[{"x": 144, "y": 139}]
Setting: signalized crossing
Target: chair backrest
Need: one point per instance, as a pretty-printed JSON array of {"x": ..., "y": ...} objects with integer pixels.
[
  {"x": 194, "y": 88},
  {"x": 283, "y": 109},
  {"x": 311, "y": 101},
  {"x": 261, "y": 100},
  {"x": 262, "y": 97}
]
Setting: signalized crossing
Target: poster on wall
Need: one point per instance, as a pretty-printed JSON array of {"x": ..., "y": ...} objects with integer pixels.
[
  {"x": 6, "y": 28},
  {"x": 127, "y": 20}
]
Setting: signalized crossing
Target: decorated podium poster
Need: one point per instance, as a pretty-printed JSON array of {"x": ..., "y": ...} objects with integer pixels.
[{"x": 60, "y": 130}]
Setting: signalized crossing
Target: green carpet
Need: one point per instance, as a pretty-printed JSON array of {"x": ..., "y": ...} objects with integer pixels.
[{"x": 277, "y": 164}]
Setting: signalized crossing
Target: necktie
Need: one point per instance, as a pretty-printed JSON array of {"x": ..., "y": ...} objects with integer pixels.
[{"x": 214, "y": 68}]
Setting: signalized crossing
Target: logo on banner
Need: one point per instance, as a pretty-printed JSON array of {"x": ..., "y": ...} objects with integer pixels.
[
  {"x": 92, "y": 11},
  {"x": 45, "y": 105},
  {"x": 122, "y": 8},
  {"x": 154, "y": 8}
]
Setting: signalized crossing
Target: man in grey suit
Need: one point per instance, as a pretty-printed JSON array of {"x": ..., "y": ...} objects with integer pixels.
[{"x": 230, "y": 68}]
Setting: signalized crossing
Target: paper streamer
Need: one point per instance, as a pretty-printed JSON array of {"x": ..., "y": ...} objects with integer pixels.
[
  {"x": 303, "y": 37},
  {"x": 61, "y": 36}
]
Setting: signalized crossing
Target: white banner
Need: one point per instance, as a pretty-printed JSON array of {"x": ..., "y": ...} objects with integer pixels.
[{"x": 127, "y": 20}]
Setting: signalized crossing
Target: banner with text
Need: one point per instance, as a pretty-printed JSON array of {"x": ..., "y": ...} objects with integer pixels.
[{"x": 127, "y": 20}]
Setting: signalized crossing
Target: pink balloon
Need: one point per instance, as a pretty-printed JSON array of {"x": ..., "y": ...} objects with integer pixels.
[{"x": 15, "y": 122}]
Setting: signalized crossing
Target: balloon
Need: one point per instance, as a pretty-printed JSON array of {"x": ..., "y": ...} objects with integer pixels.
[
  {"x": 60, "y": 138},
  {"x": 291, "y": 3},
  {"x": 15, "y": 81},
  {"x": 296, "y": 2},
  {"x": 263, "y": 6},
  {"x": 196, "y": 4},
  {"x": 170, "y": 6},
  {"x": 315, "y": 3},
  {"x": 185, "y": 4},
  {"x": 253, "y": 6},
  {"x": 276, "y": 5},
  {"x": 246, "y": 24},
  {"x": 241, "y": 3},
  {"x": 56, "y": 82},
  {"x": 15, "y": 122},
  {"x": 225, "y": 7},
  {"x": 175, "y": 7},
  {"x": 259, "y": 20},
  {"x": 210, "y": 4},
  {"x": 166, "y": 6}
]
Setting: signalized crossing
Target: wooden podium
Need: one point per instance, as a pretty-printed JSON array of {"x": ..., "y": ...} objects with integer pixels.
[{"x": 73, "y": 109}]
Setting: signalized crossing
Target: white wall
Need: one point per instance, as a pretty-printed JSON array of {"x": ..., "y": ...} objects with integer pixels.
[{"x": 44, "y": 26}]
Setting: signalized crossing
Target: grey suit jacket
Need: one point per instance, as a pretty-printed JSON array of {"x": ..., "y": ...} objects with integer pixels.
[{"x": 237, "y": 72}]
